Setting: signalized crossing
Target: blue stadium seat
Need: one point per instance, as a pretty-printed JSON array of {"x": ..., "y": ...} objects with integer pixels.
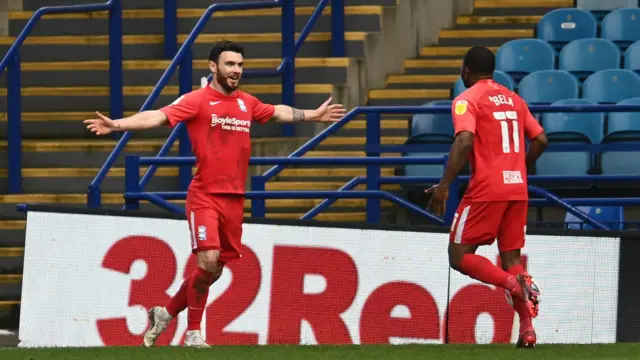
[
  {"x": 523, "y": 56},
  {"x": 588, "y": 127},
  {"x": 583, "y": 128},
  {"x": 433, "y": 130},
  {"x": 499, "y": 76},
  {"x": 622, "y": 127},
  {"x": 611, "y": 86},
  {"x": 632, "y": 57},
  {"x": 546, "y": 87},
  {"x": 611, "y": 216},
  {"x": 561, "y": 26},
  {"x": 585, "y": 56},
  {"x": 600, "y": 8},
  {"x": 622, "y": 26},
  {"x": 432, "y": 127}
]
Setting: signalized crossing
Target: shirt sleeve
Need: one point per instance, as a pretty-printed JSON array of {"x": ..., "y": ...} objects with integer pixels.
[
  {"x": 182, "y": 109},
  {"x": 532, "y": 127},
  {"x": 464, "y": 116},
  {"x": 261, "y": 112}
]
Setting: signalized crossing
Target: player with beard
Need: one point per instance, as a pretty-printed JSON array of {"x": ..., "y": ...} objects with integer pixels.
[
  {"x": 218, "y": 118},
  {"x": 491, "y": 123}
]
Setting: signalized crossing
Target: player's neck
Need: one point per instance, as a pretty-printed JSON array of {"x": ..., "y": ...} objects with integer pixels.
[{"x": 215, "y": 86}]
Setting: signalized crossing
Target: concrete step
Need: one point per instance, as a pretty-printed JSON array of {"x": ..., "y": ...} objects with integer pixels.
[
  {"x": 11, "y": 260},
  {"x": 143, "y": 22},
  {"x": 11, "y": 232},
  {"x": 406, "y": 97},
  {"x": 399, "y": 124},
  {"x": 90, "y": 98},
  {"x": 150, "y": 47},
  {"x": 10, "y": 286},
  {"x": 421, "y": 81},
  {"x": 433, "y": 66},
  {"x": 517, "y": 7},
  {"x": 80, "y": 153},
  {"x": 57, "y": 125},
  {"x": 497, "y": 22},
  {"x": 158, "y": 4},
  {"x": 490, "y": 37},
  {"x": 149, "y": 72},
  {"x": 438, "y": 52},
  {"x": 9, "y": 319}
]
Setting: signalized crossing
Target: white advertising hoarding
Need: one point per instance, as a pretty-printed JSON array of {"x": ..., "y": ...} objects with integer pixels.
[{"x": 89, "y": 280}]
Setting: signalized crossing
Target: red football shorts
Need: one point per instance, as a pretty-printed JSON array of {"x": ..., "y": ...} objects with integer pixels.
[
  {"x": 480, "y": 223},
  {"x": 215, "y": 223}
]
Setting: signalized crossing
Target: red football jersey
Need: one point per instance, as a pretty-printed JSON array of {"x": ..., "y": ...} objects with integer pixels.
[
  {"x": 500, "y": 120},
  {"x": 218, "y": 127}
]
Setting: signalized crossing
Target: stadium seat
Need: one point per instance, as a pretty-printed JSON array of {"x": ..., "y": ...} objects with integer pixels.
[
  {"x": 523, "y": 56},
  {"x": 600, "y": 8},
  {"x": 622, "y": 26},
  {"x": 611, "y": 86},
  {"x": 431, "y": 130},
  {"x": 546, "y": 87},
  {"x": 432, "y": 127},
  {"x": 622, "y": 127},
  {"x": 575, "y": 126},
  {"x": 499, "y": 76},
  {"x": 585, "y": 128},
  {"x": 632, "y": 57},
  {"x": 585, "y": 56},
  {"x": 611, "y": 216},
  {"x": 561, "y": 26}
]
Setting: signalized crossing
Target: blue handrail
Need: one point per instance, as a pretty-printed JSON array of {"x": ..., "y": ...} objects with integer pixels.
[
  {"x": 134, "y": 192},
  {"x": 11, "y": 62},
  {"x": 184, "y": 58}
]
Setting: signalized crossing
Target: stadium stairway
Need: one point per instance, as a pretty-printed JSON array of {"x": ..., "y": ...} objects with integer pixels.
[{"x": 65, "y": 78}]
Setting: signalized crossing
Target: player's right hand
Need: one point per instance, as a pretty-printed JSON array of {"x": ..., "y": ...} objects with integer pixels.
[{"x": 101, "y": 126}]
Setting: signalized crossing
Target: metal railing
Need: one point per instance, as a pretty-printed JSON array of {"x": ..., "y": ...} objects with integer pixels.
[
  {"x": 134, "y": 192},
  {"x": 11, "y": 62},
  {"x": 373, "y": 178},
  {"x": 184, "y": 58}
]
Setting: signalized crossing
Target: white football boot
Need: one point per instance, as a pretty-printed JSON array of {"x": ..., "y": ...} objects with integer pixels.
[
  {"x": 193, "y": 338},
  {"x": 159, "y": 318}
]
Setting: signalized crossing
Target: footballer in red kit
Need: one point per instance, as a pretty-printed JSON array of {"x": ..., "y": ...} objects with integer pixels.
[
  {"x": 218, "y": 119},
  {"x": 491, "y": 123}
]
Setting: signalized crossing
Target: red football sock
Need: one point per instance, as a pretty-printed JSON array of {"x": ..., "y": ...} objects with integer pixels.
[
  {"x": 519, "y": 305},
  {"x": 197, "y": 294},
  {"x": 179, "y": 301},
  {"x": 481, "y": 268}
]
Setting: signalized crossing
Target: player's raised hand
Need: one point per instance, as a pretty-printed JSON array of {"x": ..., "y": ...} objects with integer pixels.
[
  {"x": 439, "y": 196},
  {"x": 101, "y": 126},
  {"x": 330, "y": 113}
]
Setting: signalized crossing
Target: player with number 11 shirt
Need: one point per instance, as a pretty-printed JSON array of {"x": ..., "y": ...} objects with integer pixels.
[{"x": 491, "y": 123}]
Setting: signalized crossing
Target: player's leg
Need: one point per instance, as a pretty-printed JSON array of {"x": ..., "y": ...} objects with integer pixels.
[
  {"x": 511, "y": 239},
  {"x": 202, "y": 219},
  {"x": 475, "y": 224}
]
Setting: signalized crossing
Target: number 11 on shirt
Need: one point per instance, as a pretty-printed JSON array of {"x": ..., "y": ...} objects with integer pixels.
[{"x": 504, "y": 117}]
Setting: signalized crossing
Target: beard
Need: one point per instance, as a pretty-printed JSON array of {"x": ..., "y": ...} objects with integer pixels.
[{"x": 224, "y": 83}]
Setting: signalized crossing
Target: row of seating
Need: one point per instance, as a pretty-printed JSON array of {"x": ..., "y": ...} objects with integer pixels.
[
  {"x": 580, "y": 57},
  {"x": 548, "y": 86},
  {"x": 588, "y": 128},
  {"x": 561, "y": 26}
]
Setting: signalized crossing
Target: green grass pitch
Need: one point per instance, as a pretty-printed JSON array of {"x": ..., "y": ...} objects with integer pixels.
[{"x": 405, "y": 352}]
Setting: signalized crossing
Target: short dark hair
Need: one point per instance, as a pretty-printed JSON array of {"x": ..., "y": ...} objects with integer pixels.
[
  {"x": 222, "y": 46},
  {"x": 480, "y": 60}
]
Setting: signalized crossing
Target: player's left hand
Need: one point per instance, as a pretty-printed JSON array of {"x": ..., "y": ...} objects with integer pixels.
[
  {"x": 439, "y": 196},
  {"x": 330, "y": 113}
]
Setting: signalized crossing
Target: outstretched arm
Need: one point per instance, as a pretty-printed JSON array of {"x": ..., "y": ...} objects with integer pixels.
[
  {"x": 324, "y": 113},
  {"x": 140, "y": 121}
]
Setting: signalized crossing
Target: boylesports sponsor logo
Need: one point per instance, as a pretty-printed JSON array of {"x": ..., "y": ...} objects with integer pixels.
[{"x": 231, "y": 124}]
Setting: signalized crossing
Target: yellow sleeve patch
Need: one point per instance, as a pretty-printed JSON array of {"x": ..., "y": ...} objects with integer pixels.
[{"x": 460, "y": 107}]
